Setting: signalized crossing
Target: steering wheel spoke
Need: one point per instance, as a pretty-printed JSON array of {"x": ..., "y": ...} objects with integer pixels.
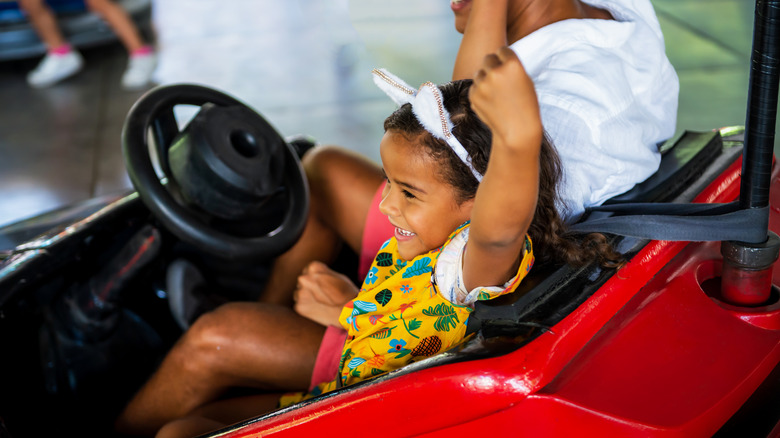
[{"x": 164, "y": 130}]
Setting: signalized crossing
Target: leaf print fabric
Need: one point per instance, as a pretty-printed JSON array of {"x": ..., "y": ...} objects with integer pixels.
[
  {"x": 356, "y": 362},
  {"x": 399, "y": 317},
  {"x": 384, "y": 332},
  {"x": 363, "y": 306},
  {"x": 445, "y": 316},
  {"x": 419, "y": 267},
  {"x": 384, "y": 259},
  {"x": 383, "y": 297}
]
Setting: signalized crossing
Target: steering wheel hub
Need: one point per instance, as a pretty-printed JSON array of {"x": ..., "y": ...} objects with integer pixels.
[{"x": 226, "y": 163}]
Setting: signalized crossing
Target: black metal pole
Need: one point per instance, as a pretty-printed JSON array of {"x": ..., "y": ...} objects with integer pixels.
[
  {"x": 762, "y": 106},
  {"x": 746, "y": 279}
]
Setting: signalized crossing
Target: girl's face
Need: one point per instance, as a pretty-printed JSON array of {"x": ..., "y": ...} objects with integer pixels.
[{"x": 420, "y": 206}]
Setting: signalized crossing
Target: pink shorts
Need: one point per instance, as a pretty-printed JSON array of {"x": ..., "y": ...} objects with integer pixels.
[
  {"x": 375, "y": 232},
  {"x": 326, "y": 366}
]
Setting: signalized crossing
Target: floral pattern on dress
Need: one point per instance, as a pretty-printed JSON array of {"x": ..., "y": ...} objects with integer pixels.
[
  {"x": 409, "y": 320},
  {"x": 400, "y": 317}
]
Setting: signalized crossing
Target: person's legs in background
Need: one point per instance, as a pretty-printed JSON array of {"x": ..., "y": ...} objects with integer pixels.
[
  {"x": 142, "y": 59},
  {"x": 60, "y": 61}
]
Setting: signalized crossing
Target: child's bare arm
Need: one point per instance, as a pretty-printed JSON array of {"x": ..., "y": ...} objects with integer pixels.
[
  {"x": 503, "y": 97},
  {"x": 485, "y": 33}
]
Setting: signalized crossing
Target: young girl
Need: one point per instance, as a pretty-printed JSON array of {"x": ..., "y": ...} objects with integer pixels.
[{"x": 461, "y": 235}]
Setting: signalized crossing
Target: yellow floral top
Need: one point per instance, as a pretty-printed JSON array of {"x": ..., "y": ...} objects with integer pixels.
[{"x": 407, "y": 311}]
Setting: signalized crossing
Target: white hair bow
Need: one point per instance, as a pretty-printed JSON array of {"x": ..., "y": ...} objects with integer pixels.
[{"x": 428, "y": 107}]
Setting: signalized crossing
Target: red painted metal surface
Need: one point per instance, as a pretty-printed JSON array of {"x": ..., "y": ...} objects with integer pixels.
[{"x": 652, "y": 352}]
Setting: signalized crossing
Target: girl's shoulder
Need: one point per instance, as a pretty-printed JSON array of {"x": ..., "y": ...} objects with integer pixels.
[{"x": 448, "y": 274}]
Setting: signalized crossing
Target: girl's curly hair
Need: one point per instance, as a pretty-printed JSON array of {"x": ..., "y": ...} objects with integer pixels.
[{"x": 549, "y": 233}]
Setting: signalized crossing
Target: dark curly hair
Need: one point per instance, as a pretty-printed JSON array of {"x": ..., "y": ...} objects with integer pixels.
[{"x": 552, "y": 242}]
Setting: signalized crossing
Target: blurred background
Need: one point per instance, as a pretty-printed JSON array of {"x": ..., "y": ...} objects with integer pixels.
[{"x": 305, "y": 66}]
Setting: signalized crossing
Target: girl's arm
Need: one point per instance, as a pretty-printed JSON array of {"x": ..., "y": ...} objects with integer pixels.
[
  {"x": 485, "y": 33},
  {"x": 503, "y": 97}
]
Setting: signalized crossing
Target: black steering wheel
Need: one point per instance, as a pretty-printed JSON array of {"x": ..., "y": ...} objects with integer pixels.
[{"x": 223, "y": 166}]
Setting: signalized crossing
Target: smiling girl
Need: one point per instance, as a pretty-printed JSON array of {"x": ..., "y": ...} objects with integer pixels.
[
  {"x": 471, "y": 193},
  {"x": 467, "y": 191}
]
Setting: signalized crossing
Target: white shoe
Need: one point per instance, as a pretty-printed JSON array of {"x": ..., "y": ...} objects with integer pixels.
[
  {"x": 139, "y": 71},
  {"x": 54, "y": 68}
]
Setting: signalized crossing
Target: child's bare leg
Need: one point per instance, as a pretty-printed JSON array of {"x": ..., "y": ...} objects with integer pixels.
[
  {"x": 219, "y": 414},
  {"x": 44, "y": 22},
  {"x": 342, "y": 185},
  {"x": 119, "y": 21},
  {"x": 237, "y": 345}
]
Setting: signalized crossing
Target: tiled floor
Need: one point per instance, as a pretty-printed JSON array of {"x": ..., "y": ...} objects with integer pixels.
[{"x": 304, "y": 65}]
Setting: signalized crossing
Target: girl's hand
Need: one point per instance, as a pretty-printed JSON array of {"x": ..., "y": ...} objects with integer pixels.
[
  {"x": 321, "y": 293},
  {"x": 503, "y": 97}
]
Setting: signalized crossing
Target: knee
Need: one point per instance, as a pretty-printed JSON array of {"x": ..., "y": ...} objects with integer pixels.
[
  {"x": 321, "y": 163},
  {"x": 328, "y": 169},
  {"x": 202, "y": 344}
]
